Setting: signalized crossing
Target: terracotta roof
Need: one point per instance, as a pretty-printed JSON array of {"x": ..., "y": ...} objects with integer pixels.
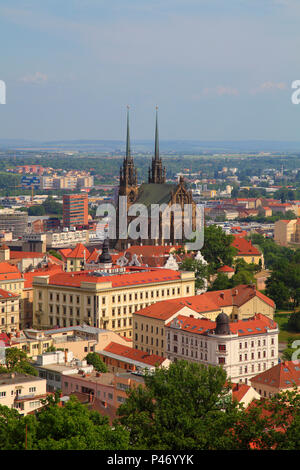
[
  {"x": 239, "y": 390},
  {"x": 118, "y": 280},
  {"x": 26, "y": 254},
  {"x": 5, "y": 294},
  {"x": 226, "y": 269},
  {"x": 208, "y": 302},
  {"x": 50, "y": 269},
  {"x": 282, "y": 376},
  {"x": 65, "y": 252},
  {"x": 78, "y": 252},
  {"x": 94, "y": 255},
  {"x": 258, "y": 324},
  {"x": 245, "y": 247},
  {"x": 126, "y": 352},
  {"x": 9, "y": 272}
]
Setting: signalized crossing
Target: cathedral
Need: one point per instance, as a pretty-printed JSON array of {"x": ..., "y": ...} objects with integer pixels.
[{"x": 154, "y": 192}]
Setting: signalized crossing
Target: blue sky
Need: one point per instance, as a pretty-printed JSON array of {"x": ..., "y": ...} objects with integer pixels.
[{"x": 217, "y": 69}]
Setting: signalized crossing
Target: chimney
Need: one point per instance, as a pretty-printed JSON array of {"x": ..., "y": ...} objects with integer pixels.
[
  {"x": 222, "y": 295},
  {"x": 66, "y": 356}
]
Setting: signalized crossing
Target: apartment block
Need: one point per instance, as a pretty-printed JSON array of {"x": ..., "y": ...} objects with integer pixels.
[
  {"x": 242, "y": 348},
  {"x": 22, "y": 392}
]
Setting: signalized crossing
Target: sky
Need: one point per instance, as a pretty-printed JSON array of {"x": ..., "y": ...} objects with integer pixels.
[{"x": 216, "y": 69}]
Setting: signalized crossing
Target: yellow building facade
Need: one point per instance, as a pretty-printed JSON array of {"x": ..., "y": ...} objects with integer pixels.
[{"x": 108, "y": 302}]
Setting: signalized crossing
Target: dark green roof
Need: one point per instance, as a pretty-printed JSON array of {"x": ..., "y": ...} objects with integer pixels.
[{"x": 152, "y": 193}]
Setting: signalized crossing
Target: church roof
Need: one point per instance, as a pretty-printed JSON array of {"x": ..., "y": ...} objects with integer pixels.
[{"x": 153, "y": 193}]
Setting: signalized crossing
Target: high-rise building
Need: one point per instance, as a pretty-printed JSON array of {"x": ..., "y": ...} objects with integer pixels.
[{"x": 75, "y": 210}]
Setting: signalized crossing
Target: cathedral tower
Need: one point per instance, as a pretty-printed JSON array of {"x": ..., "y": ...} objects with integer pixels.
[
  {"x": 128, "y": 174},
  {"x": 157, "y": 174}
]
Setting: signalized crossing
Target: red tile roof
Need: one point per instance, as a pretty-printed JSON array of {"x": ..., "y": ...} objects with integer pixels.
[
  {"x": 5, "y": 294},
  {"x": 239, "y": 390},
  {"x": 208, "y": 302},
  {"x": 65, "y": 252},
  {"x": 245, "y": 247},
  {"x": 79, "y": 252},
  {"x": 150, "y": 276},
  {"x": 126, "y": 352},
  {"x": 258, "y": 324},
  {"x": 282, "y": 376},
  {"x": 26, "y": 254},
  {"x": 226, "y": 269},
  {"x": 9, "y": 272},
  {"x": 93, "y": 256},
  {"x": 50, "y": 270}
]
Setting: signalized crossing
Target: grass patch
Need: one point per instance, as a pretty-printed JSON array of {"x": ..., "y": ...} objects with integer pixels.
[{"x": 282, "y": 317}]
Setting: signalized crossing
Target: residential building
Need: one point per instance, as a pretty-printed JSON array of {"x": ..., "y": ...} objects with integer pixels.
[
  {"x": 75, "y": 210},
  {"x": 242, "y": 348},
  {"x": 22, "y": 392},
  {"x": 108, "y": 390},
  {"x": 287, "y": 231},
  {"x": 9, "y": 311},
  {"x": 247, "y": 251},
  {"x": 53, "y": 367},
  {"x": 239, "y": 303},
  {"x": 66, "y": 238}
]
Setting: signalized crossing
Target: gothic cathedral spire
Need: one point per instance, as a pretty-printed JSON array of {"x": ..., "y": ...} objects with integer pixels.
[
  {"x": 157, "y": 174},
  {"x": 128, "y": 173}
]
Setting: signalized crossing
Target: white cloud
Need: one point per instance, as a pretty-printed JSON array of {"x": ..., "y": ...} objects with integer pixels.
[
  {"x": 221, "y": 90},
  {"x": 35, "y": 78},
  {"x": 268, "y": 86}
]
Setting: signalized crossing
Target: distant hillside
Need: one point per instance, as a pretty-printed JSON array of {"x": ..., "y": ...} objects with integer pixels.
[{"x": 167, "y": 146}]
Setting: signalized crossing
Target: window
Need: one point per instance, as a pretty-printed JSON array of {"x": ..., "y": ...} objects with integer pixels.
[
  {"x": 221, "y": 360},
  {"x": 32, "y": 389}
]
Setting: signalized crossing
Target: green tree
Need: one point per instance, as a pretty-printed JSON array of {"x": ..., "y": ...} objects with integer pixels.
[
  {"x": 71, "y": 427},
  {"x": 17, "y": 361},
  {"x": 201, "y": 271},
  {"x": 36, "y": 210},
  {"x": 218, "y": 249},
  {"x": 187, "y": 406},
  {"x": 95, "y": 360},
  {"x": 221, "y": 282}
]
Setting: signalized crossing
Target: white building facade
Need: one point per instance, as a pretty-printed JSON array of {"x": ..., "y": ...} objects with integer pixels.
[{"x": 247, "y": 348}]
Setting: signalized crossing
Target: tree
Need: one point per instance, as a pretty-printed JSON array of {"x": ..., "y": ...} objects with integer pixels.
[
  {"x": 187, "y": 406},
  {"x": 36, "y": 210},
  {"x": 56, "y": 254},
  {"x": 94, "y": 359},
  {"x": 201, "y": 271},
  {"x": 17, "y": 361},
  {"x": 221, "y": 282},
  {"x": 217, "y": 249},
  {"x": 270, "y": 424},
  {"x": 70, "y": 427}
]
